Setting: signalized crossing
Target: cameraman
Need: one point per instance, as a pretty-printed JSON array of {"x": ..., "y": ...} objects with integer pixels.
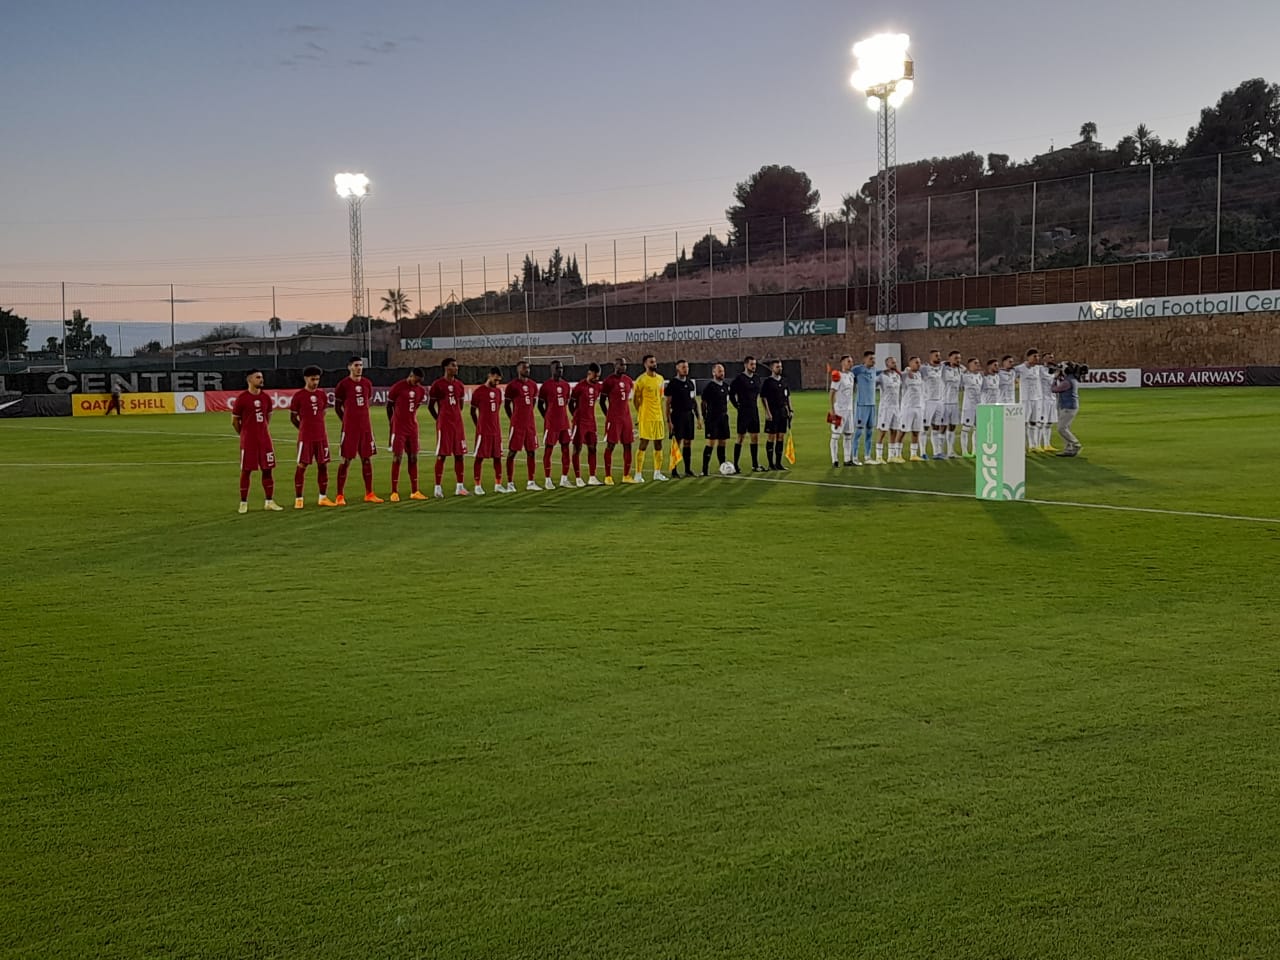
[{"x": 1066, "y": 387}]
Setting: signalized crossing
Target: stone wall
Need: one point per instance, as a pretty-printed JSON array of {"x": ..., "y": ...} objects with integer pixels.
[{"x": 1224, "y": 340}]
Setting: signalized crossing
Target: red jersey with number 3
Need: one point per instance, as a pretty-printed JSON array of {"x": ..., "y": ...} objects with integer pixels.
[
  {"x": 310, "y": 407},
  {"x": 555, "y": 393},
  {"x": 617, "y": 389}
]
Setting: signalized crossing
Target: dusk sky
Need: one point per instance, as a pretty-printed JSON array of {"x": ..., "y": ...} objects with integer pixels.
[{"x": 152, "y": 142}]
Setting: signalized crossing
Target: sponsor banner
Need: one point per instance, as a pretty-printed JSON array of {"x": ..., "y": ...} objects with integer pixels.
[
  {"x": 709, "y": 333},
  {"x": 188, "y": 402},
  {"x": 1264, "y": 376},
  {"x": 975, "y": 317},
  {"x": 1002, "y": 452},
  {"x": 95, "y": 404},
  {"x": 1113, "y": 377},
  {"x": 1196, "y": 377}
]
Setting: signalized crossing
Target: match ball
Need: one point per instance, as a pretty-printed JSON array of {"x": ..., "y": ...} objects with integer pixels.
[{"x": 727, "y": 469}]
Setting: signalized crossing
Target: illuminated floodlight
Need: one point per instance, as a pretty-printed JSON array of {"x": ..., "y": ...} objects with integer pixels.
[
  {"x": 351, "y": 185},
  {"x": 882, "y": 62}
]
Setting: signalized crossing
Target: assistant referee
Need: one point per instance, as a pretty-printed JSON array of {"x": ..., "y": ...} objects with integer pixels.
[{"x": 682, "y": 412}]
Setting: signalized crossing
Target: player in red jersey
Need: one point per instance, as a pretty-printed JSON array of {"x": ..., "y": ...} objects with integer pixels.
[
  {"x": 250, "y": 417},
  {"x": 444, "y": 401},
  {"x": 582, "y": 404},
  {"x": 352, "y": 398},
  {"x": 306, "y": 412},
  {"x": 403, "y": 401},
  {"x": 615, "y": 401},
  {"x": 521, "y": 397},
  {"x": 486, "y": 414},
  {"x": 553, "y": 404}
]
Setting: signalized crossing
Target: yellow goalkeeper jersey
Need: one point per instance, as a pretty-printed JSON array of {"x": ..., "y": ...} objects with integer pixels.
[{"x": 648, "y": 398}]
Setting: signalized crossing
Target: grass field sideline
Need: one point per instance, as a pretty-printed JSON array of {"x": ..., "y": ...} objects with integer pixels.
[{"x": 721, "y": 717}]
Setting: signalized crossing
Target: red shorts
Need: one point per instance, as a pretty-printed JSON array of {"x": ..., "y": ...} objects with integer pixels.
[
  {"x": 522, "y": 438},
  {"x": 551, "y": 438},
  {"x": 488, "y": 448},
  {"x": 255, "y": 455},
  {"x": 312, "y": 451},
  {"x": 352, "y": 445},
  {"x": 405, "y": 442},
  {"x": 619, "y": 432},
  {"x": 450, "y": 442},
  {"x": 585, "y": 434}
]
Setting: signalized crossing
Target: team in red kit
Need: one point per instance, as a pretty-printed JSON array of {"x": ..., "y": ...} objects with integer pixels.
[{"x": 569, "y": 415}]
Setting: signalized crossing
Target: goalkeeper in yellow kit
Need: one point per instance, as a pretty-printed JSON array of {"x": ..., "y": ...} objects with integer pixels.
[{"x": 647, "y": 400}]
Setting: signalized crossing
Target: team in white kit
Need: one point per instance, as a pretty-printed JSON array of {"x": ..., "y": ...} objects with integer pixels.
[{"x": 935, "y": 404}]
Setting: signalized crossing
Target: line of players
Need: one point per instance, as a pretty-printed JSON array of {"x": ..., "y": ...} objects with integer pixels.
[
  {"x": 934, "y": 402},
  {"x": 649, "y": 406}
]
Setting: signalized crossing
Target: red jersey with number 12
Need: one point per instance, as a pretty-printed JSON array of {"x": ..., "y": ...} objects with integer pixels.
[{"x": 356, "y": 396}]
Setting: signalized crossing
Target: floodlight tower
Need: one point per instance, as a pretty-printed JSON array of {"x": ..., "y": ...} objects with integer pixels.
[
  {"x": 353, "y": 188},
  {"x": 886, "y": 74}
]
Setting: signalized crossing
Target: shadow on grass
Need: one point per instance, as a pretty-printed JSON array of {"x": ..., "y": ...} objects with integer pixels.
[{"x": 1027, "y": 525}]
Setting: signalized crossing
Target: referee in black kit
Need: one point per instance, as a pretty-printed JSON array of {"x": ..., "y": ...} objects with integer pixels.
[
  {"x": 776, "y": 396},
  {"x": 682, "y": 412},
  {"x": 743, "y": 394},
  {"x": 715, "y": 414}
]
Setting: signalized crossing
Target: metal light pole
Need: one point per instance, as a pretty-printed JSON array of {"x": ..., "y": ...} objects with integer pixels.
[
  {"x": 353, "y": 187},
  {"x": 886, "y": 74}
]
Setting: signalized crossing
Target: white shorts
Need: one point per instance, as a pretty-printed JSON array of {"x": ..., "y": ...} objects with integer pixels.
[
  {"x": 846, "y": 423},
  {"x": 911, "y": 420},
  {"x": 969, "y": 417},
  {"x": 1037, "y": 412},
  {"x": 933, "y": 413},
  {"x": 951, "y": 414},
  {"x": 888, "y": 419}
]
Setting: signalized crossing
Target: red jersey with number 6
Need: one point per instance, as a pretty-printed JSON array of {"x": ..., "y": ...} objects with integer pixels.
[{"x": 523, "y": 395}]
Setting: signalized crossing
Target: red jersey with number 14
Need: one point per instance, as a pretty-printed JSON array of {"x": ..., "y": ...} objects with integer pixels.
[
  {"x": 449, "y": 395},
  {"x": 309, "y": 406}
]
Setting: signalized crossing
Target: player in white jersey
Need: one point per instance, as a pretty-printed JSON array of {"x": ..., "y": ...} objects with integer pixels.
[
  {"x": 913, "y": 407},
  {"x": 991, "y": 383},
  {"x": 840, "y": 416},
  {"x": 971, "y": 380},
  {"x": 933, "y": 390},
  {"x": 1030, "y": 396},
  {"x": 1048, "y": 413},
  {"x": 1007, "y": 379},
  {"x": 889, "y": 421},
  {"x": 952, "y": 371}
]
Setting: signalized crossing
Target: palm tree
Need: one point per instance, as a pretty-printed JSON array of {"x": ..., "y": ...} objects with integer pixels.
[
  {"x": 274, "y": 326},
  {"x": 1148, "y": 144},
  {"x": 1088, "y": 131},
  {"x": 397, "y": 302}
]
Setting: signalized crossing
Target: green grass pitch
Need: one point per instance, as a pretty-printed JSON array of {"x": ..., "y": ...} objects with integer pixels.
[{"x": 729, "y": 718}]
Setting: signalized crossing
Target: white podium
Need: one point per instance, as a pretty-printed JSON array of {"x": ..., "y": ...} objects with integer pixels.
[{"x": 1002, "y": 452}]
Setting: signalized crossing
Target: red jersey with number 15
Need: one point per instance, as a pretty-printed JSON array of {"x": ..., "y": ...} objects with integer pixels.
[
  {"x": 449, "y": 395},
  {"x": 309, "y": 406},
  {"x": 254, "y": 411},
  {"x": 617, "y": 389},
  {"x": 523, "y": 394},
  {"x": 405, "y": 399},
  {"x": 487, "y": 403}
]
